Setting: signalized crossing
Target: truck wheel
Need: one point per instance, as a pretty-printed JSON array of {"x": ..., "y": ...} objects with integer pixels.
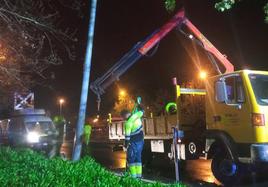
[
  {"x": 193, "y": 149},
  {"x": 225, "y": 169},
  {"x": 147, "y": 158}
]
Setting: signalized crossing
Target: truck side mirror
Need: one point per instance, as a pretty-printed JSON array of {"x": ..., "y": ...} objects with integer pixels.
[{"x": 220, "y": 91}]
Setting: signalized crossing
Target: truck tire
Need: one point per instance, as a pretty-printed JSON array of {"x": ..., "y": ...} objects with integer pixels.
[
  {"x": 147, "y": 158},
  {"x": 192, "y": 150},
  {"x": 225, "y": 170}
]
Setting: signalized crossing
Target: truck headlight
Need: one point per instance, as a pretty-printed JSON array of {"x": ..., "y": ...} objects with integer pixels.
[{"x": 33, "y": 137}]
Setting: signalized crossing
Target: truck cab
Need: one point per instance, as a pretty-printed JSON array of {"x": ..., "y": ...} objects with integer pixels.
[{"x": 236, "y": 130}]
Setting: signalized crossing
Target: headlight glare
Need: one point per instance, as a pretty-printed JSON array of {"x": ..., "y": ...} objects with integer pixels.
[{"x": 33, "y": 137}]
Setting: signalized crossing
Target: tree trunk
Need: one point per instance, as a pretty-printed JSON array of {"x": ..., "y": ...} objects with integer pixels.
[{"x": 85, "y": 85}]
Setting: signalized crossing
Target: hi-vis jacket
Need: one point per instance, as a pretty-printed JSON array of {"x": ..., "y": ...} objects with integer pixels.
[{"x": 133, "y": 127}]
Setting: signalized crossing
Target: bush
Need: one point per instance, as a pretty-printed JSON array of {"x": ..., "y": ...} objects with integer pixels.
[{"x": 23, "y": 167}]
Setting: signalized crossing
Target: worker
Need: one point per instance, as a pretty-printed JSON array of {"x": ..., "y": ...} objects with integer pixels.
[
  {"x": 134, "y": 140},
  {"x": 87, "y": 133},
  {"x": 86, "y": 139}
]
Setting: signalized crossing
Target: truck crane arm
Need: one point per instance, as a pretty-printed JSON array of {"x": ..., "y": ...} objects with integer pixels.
[
  {"x": 143, "y": 47},
  {"x": 139, "y": 50},
  {"x": 209, "y": 47}
]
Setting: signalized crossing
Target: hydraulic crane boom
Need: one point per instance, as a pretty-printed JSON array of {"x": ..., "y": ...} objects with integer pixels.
[
  {"x": 142, "y": 48},
  {"x": 208, "y": 46},
  {"x": 139, "y": 50}
]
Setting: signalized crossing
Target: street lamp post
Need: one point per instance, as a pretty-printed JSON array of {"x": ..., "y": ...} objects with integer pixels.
[{"x": 61, "y": 101}]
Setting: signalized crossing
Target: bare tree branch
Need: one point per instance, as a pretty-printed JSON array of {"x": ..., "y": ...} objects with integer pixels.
[{"x": 33, "y": 36}]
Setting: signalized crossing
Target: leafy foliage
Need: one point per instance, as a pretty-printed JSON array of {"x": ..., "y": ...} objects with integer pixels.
[
  {"x": 265, "y": 9},
  {"x": 159, "y": 101},
  {"x": 170, "y": 5},
  {"x": 228, "y": 4},
  {"x": 123, "y": 102},
  {"x": 24, "y": 167},
  {"x": 222, "y": 6}
]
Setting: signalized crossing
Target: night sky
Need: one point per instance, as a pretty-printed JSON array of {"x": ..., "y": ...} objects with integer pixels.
[{"x": 241, "y": 34}]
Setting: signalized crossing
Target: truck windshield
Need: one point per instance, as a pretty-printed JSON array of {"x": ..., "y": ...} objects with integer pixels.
[{"x": 260, "y": 87}]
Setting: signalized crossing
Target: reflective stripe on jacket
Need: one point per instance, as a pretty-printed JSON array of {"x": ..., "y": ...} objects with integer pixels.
[{"x": 133, "y": 125}]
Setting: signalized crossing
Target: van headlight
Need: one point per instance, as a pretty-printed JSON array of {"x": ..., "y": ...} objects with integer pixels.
[{"x": 33, "y": 137}]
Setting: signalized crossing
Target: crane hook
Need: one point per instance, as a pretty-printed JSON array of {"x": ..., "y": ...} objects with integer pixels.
[{"x": 98, "y": 102}]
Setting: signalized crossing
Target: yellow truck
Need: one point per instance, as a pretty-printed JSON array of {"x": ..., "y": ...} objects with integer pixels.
[{"x": 234, "y": 128}]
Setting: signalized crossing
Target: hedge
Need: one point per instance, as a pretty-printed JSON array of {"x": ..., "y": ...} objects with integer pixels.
[{"x": 24, "y": 167}]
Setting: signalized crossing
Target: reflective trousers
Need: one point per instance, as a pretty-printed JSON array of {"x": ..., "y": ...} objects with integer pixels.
[{"x": 134, "y": 160}]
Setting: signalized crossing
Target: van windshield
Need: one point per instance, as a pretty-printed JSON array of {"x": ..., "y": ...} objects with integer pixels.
[
  {"x": 260, "y": 87},
  {"x": 41, "y": 126}
]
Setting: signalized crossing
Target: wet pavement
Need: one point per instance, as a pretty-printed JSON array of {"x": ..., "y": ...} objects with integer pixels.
[
  {"x": 116, "y": 161},
  {"x": 194, "y": 173}
]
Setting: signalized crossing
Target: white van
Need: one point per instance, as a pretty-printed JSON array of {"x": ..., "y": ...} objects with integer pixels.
[{"x": 32, "y": 128}]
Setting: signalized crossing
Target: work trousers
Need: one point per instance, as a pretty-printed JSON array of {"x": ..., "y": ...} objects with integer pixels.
[{"x": 134, "y": 160}]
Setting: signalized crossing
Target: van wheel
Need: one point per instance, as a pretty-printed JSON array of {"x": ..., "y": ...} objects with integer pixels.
[{"x": 225, "y": 169}]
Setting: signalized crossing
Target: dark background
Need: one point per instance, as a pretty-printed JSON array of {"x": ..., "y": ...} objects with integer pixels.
[{"x": 240, "y": 33}]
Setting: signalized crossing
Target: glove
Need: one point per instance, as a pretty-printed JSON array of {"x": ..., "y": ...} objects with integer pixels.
[
  {"x": 127, "y": 143},
  {"x": 139, "y": 100}
]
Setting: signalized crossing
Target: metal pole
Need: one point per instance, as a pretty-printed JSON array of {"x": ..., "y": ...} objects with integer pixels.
[
  {"x": 175, "y": 132},
  {"x": 85, "y": 84},
  {"x": 176, "y": 162},
  {"x": 60, "y": 108}
]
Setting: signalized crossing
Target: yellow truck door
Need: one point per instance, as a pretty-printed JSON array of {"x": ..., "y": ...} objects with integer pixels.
[{"x": 233, "y": 115}]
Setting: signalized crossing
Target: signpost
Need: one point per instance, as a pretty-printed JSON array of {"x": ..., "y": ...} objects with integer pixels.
[{"x": 22, "y": 101}]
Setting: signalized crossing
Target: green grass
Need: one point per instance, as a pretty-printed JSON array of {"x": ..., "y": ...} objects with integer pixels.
[{"x": 24, "y": 167}]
